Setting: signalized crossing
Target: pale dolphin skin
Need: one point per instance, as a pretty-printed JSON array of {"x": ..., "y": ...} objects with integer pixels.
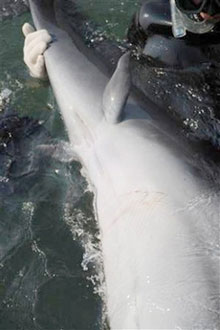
[{"x": 161, "y": 272}]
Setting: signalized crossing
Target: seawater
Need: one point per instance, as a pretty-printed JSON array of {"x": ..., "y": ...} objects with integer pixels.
[{"x": 51, "y": 273}]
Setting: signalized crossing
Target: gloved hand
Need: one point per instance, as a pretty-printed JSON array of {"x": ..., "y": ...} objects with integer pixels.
[{"x": 36, "y": 42}]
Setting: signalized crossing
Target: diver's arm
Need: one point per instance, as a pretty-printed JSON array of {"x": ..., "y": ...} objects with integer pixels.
[{"x": 36, "y": 42}]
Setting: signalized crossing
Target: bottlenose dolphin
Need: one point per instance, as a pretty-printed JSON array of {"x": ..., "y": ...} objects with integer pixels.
[{"x": 158, "y": 216}]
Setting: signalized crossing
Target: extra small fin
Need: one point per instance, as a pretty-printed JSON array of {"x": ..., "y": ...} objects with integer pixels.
[{"x": 117, "y": 91}]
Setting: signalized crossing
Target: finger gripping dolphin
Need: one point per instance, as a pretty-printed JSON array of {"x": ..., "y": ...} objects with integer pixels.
[{"x": 158, "y": 219}]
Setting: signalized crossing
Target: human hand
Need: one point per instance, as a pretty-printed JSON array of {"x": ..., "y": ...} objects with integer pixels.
[{"x": 36, "y": 42}]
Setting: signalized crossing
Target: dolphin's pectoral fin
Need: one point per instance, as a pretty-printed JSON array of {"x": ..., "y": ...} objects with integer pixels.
[{"x": 117, "y": 91}]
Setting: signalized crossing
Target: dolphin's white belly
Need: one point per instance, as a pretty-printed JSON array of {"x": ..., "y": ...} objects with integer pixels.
[{"x": 158, "y": 272}]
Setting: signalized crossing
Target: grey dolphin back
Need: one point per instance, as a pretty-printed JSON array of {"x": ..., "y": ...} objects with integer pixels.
[
  {"x": 77, "y": 84},
  {"x": 42, "y": 12}
]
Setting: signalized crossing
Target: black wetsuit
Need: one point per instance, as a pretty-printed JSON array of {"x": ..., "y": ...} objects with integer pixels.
[
  {"x": 154, "y": 18},
  {"x": 180, "y": 75}
]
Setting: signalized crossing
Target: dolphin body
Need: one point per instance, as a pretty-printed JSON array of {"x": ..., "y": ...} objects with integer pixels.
[{"x": 158, "y": 216}]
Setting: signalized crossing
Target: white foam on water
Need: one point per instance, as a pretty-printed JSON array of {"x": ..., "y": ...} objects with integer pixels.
[
  {"x": 82, "y": 229},
  {"x": 28, "y": 209},
  {"x": 4, "y": 97}
]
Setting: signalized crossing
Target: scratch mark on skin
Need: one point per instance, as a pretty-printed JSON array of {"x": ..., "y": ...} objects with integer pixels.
[{"x": 136, "y": 200}]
